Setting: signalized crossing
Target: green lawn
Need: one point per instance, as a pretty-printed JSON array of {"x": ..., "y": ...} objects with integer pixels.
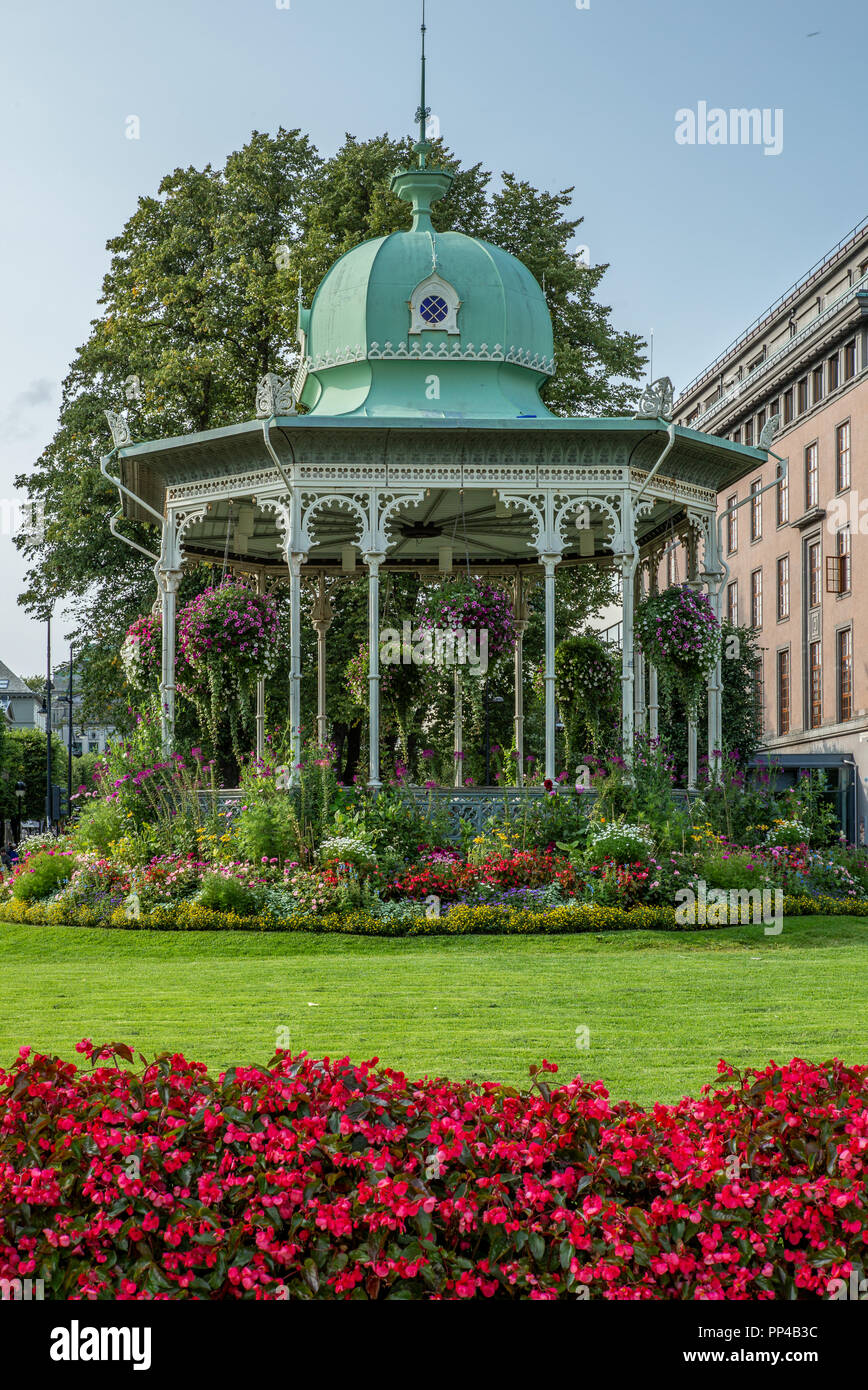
[{"x": 661, "y": 1007}]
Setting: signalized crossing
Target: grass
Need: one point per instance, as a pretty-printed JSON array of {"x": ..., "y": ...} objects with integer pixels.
[{"x": 661, "y": 1007}]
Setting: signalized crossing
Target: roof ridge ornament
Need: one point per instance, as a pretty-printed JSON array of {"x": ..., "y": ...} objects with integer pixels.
[
  {"x": 119, "y": 426},
  {"x": 769, "y": 431},
  {"x": 656, "y": 401},
  {"x": 274, "y": 396}
]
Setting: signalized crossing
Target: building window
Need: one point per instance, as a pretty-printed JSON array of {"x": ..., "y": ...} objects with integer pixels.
[
  {"x": 783, "y": 588},
  {"x": 845, "y": 674},
  {"x": 748, "y": 432},
  {"x": 812, "y": 477},
  {"x": 815, "y": 688},
  {"x": 732, "y": 603},
  {"x": 731, "y": 525},
  {"x": 782, "y": 496},
  {"x": 736, "y": 436},
  {"x": 788, "y": 406},
  {"x": 832, "y": 372},
  {"x": 842, "y": 457},
  {"x": 756, "y": 599},
  {"x": 756, "y": 510},
  {"x": 814, "y": 574},
  {"x": 838, "y": 565},
  {"x": 818, "y": 385},
  {"x": 803, "y": 395},
  {"x": 672, "y": 566},
  {"x": 783, "y": 692},
  {"x": 758, "y": 693},
  {"x": 774, "y": 407},
  {"x": 850, "y": 361}
]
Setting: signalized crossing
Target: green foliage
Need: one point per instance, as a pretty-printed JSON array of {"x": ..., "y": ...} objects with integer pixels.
[
  {"x": 25, "y": 756},
  {"x": 42, "y": 875},
  {"x": 226, "y": 895},
  {"x": 199, "y": 302},
  {"x": 99, "y": 825},
  {"x": 619, "y": 841},
  {"x": 268, "y": 828},
  {"x": 588, "y": 692}
]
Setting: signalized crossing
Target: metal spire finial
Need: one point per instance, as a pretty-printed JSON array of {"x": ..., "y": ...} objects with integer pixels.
[{"x": 424, "y": 111}]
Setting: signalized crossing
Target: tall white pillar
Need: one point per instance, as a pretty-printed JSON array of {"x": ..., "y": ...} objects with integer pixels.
[
  {"x": 653, "y": 703},
  {"x": 520, "y": 611},
  {"x": 168, "y": 580},
  {"x": 627, "y": 669},
  {"x": 550, "y": 563},
  {"x": 295, "y": 562},
  {"x": 458, "y": 730},
  {"x": 322, "y": 616},
  {"x": 373, "y": 562},
  {"x": 260, "y": 690}
]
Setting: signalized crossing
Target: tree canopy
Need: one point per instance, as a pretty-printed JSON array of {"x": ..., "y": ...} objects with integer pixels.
[{"x": 200, "y": 300}]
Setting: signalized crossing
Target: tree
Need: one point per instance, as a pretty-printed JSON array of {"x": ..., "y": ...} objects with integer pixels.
[{"x": 199, "y": 302}]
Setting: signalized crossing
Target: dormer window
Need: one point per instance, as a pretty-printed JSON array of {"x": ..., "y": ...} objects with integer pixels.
[{"x": 434, "y": 307}]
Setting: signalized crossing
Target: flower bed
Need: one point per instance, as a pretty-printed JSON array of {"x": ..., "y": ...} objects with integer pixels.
[
  {"x": 327, "y": 1180},
  {"x": 494, "y": 919}
]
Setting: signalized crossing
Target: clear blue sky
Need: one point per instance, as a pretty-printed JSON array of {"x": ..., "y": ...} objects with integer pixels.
[{"x": 699, "y": 238}]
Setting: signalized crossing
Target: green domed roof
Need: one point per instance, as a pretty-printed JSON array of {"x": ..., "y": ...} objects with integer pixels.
[{"x": 423, "y": 323}]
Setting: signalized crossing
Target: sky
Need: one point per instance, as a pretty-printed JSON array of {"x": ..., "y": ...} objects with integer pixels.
[{"x": 700, "y": 237}]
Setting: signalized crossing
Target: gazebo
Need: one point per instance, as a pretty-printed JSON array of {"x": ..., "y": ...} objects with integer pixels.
[{"x": 412, "y": 425}]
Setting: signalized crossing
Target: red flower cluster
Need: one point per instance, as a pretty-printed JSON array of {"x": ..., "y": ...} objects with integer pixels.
[
  {"x": 332, "y": 1180},
  {"x": 532, "y": 868}
]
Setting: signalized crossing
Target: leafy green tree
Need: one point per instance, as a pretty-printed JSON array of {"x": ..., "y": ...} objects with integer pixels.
[{"x": 200, "y": 300}]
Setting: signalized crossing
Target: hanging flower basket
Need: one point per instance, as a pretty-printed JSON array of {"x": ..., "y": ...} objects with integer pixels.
[
  {"x": 229, "y": 637},
  {"x": 473, "y": 607},
  {"x": 141, "y": 652},
  {"x": 680, "y": 636}
]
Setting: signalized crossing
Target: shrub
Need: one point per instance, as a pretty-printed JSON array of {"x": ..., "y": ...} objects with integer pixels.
[
  {"x": 619, "y": 841},
  {"x": 226, "y": 895},
  {"x": 788, "y": 832},
  {"x": 308, "y": 1179},
  {"x": 41, "y": 875},
  {"x": 99, "y": 825}
]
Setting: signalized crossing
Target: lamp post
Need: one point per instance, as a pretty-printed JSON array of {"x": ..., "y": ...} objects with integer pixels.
[
  {"x": 48, "y": 788},
  {"x": 20, "y": 789}
]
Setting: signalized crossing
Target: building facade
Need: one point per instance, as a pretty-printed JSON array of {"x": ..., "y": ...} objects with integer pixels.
[
  {"x": 795, "y": 530},
  {"x": 18, "y": 703}
]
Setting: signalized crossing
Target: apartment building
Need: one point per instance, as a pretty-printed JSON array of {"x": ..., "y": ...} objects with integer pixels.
[{"x": 798, "y": 554}]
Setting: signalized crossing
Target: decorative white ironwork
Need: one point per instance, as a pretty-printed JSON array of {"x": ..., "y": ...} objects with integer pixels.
[
  {"x": 119, "y": 427},
  {"x": 657, "y": 401},
  {"x": 770, "y": 429},
  {"x": 274, "y": 397},
  {"x": 388, "y": 352}
]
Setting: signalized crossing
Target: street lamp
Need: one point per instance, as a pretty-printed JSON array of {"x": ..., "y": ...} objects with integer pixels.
[{"x": 20, "y": 789}]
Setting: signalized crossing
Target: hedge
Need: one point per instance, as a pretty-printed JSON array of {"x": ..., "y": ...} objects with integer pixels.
[
  {"x": 462, "y": 920},
  {"x": 308, "y": 1179}
]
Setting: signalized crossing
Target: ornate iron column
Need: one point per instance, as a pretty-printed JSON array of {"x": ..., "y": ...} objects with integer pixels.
[
  {"x": 260, "y": 689},
  {"x": 550, "y": 563},
  {"x": 458, "y": 732},
  {"x": 322, "y": 616},
  {"x": 373, "y": 560},
  {"x": 520, "y": 611},
  {"x": 640, "y": 705},
  {"x": 295, "y": 560},
  {"x": 168, "y": 581}
]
